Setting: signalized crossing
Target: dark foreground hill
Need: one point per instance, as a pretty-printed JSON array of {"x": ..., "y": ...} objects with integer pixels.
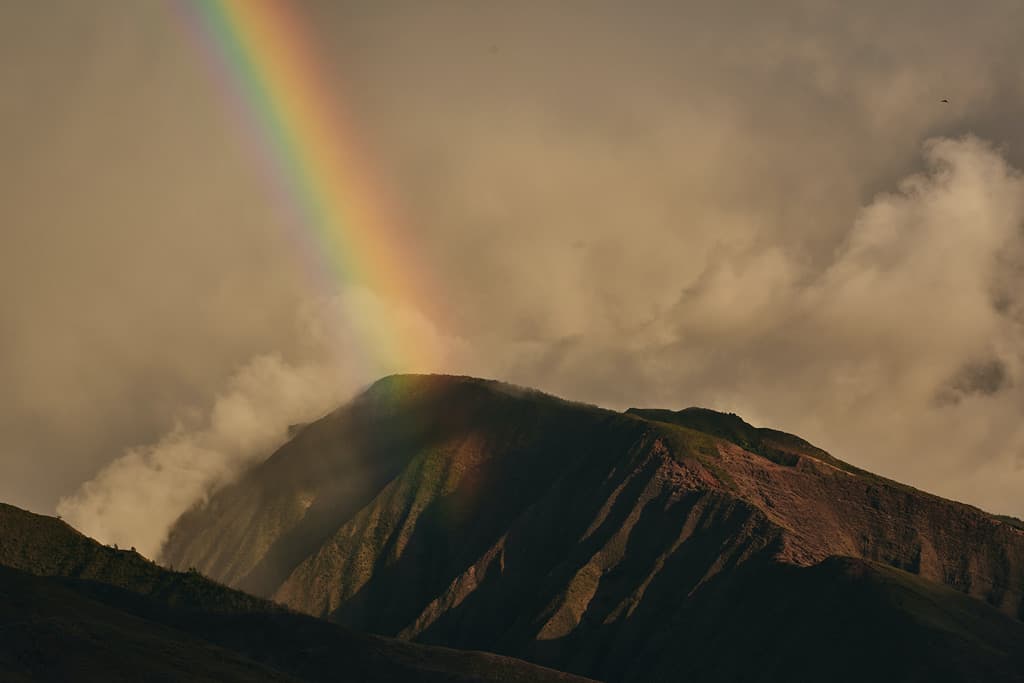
[
  {"x": 73, "y": 610},
  {"x": 639, "y": 546}
]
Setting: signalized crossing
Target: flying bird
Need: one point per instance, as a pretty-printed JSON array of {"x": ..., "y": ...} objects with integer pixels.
[{"x": 945, "y": 100}]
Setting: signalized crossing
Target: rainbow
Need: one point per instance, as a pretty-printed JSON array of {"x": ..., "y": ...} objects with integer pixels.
[{"x": 267, "y": 67}]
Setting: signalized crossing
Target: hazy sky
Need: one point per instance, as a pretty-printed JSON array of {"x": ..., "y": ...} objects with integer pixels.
[{"x": 756, "y": 207}]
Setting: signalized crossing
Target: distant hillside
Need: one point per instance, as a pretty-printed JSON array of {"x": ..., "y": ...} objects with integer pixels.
[
  {"x": 73, "y": 610},
  {"x": 46, "y": 546},
  {"x": 623, "y": 546}
]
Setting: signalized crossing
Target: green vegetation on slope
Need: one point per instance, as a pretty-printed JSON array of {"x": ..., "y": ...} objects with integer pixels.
[
  {"x": 779, "y": 447},
  {"x": 71, "y": 609},
  {"x": 684, "y": 442}
]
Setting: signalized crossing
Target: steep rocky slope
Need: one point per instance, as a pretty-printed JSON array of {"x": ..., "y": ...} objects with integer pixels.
[
  {"x": 831, "y": 508},
  {"x": 71, "y": 609},
  {"x": 473, "y": 514}
]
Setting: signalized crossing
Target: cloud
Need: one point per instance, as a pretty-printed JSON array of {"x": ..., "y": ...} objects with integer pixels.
[
  {"x": 984, "y": 378},
  {"x": 901, "y": 354},
  {"x": 134, "y": 500}
]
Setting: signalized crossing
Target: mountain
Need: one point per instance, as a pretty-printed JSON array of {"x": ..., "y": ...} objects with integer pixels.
[
  {"x": 72, "y": 609},
  {"x": 639, "y": 546}
]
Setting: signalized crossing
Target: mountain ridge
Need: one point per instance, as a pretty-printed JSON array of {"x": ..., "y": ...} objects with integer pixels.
[
  {"x": 73, "y": 609},
  {"x": 492, "y": 517}
]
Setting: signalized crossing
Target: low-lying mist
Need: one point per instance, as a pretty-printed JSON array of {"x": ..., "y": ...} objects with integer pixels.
[{"x": 134, "y": 500}]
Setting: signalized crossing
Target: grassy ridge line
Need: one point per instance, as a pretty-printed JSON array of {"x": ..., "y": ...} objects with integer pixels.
[{"x": 104, "y": 601}]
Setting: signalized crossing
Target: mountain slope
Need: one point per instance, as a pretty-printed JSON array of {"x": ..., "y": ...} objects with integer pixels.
[
  {"x": 842, "y": 619},
  {"x": 71, "y": 609},
  {"x": 457, "y": 511},
  {"x": 52, "y": 632}
]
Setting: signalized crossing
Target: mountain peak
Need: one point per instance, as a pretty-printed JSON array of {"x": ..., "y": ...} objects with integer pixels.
[{"x": 412, "y": 387}]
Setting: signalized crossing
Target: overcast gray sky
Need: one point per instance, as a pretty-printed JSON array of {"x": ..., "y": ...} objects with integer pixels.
[{"x": 756, "y": 207}]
